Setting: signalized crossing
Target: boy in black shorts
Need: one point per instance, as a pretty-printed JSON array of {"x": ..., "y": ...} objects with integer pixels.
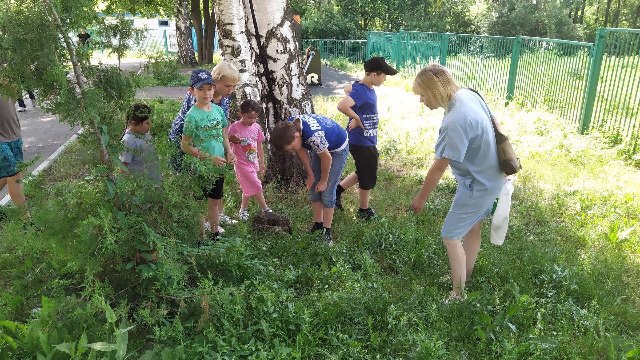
[{"x": 361, "y": 106}]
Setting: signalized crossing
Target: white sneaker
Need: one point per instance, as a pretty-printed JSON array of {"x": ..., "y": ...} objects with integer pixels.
[
  {"x": 224, "y": 219},
  {"x": 267, "y": 210},
  {"x": 243, "y": 214},
  {"x": 207, "y": 227},
  {"x": 22, "y": 109}
]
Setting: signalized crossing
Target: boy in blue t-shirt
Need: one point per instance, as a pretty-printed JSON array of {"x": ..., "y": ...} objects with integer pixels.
[
  {"x": 361, "y": 106},
  {"x": 205, "y": 138},
  {"x": 322, "y": 146}
]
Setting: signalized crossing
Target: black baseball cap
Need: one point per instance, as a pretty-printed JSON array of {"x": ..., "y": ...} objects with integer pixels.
[
  {"x": 377, "y": 63},
  {"x": 200, "y": 77}
]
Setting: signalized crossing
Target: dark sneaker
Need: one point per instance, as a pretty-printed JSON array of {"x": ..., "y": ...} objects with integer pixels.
[
  {"x": 315, "y": 227},
  {"x": 327, "y": 237},
  {"x": 339, "y": 201},
  {"x": 367, "y": 214}
]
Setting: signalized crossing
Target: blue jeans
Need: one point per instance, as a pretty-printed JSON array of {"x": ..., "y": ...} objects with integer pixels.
[{"x": 328, "y": 196}]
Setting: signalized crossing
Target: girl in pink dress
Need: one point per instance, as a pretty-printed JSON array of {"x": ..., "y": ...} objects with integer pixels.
[{"x": 246, "y": 139}]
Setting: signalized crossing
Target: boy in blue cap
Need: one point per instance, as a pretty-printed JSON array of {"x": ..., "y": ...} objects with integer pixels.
[{"x": 205, "y": 138}]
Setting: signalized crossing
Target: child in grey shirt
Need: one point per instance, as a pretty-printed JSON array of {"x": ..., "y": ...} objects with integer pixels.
[{"x": 139, "y": 155}]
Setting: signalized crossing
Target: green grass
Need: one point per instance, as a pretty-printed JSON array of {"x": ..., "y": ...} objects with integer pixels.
[{"x": 564, "y": 285}]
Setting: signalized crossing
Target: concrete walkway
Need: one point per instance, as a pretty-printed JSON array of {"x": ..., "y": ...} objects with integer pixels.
[
  {"x": 333, "y": 82},
  {"x": 43, "y": 134}
]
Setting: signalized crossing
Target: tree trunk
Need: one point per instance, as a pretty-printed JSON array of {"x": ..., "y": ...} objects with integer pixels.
[
  {"x": 606, "y": 13},
  {"x": 186, "y": 55},
  {"x": 616, "y": 16},
  {"x": 582, "y": 7},
  {"x": 258, "y": 37},
  {"x": 636, "y": 17},
  {"x": 79, "y": 78},
  {"x": 196, "y": 19},
  {"x": 209, "y": 26}
]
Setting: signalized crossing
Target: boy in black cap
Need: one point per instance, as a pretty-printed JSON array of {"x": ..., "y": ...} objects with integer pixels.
[{"x": 361, "y": 106}]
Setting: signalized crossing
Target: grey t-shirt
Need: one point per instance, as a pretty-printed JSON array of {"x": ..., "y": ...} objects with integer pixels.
[
  {"x": 140, "y": 154},
  {"x": 9, "y": 124}
]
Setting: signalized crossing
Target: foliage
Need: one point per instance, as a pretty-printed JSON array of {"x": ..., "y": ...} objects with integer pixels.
[
  {"x": 563, "y": 285},
  {"x": 117, "y": 35},
  {"x": 522, "y": 17},
  {"x": 164, "y": 70}
]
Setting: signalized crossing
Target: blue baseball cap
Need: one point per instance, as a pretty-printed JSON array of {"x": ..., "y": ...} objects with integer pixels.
[{"x": 200, "y": 77}]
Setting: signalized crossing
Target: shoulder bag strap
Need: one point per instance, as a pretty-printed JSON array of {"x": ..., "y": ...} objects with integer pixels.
[{"x": 493, "y": 119}]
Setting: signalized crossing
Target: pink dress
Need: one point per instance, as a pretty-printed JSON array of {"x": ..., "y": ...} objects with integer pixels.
[{"x": 246, "y": 153}]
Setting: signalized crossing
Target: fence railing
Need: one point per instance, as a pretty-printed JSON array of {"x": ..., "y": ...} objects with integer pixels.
[
  {"x": 353, "y": 50},
  {"x": 589, "y": 85}
]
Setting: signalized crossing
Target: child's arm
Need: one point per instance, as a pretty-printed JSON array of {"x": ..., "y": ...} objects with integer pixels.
[
  {"x": 344, "y": 106},
  {"x": 231, "y": 158},
  {"x": 303, "y": 154},
  {"x": 261, "y": 158},
  {"x": 187, "y": 147},
  {"x": 430, "y": 181},
  {"x": 325, "y": 166}
]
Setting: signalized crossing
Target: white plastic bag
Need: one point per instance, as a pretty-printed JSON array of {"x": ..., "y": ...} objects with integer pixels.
[{"x": 500, "y": 220}]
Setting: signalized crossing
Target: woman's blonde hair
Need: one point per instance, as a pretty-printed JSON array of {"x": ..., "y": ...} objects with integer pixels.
[
  {"x": 226, "y": 69},
  {"x": 435, "y": 81}
]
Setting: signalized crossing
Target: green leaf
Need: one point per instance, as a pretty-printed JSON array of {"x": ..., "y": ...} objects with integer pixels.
[
  {"x": 633, "y": 354},
  {"x": 102, "y": 346},
  {"x": 66, "y": 347},
  {"x": 82, "y": 344},
  {"x": 111, "y": 316}
]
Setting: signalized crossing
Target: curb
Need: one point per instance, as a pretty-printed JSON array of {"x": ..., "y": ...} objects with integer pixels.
[{"x": 45, "y": 164}]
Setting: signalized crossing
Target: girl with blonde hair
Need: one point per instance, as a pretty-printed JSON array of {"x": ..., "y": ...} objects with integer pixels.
[{"x": 466, "y": 143}]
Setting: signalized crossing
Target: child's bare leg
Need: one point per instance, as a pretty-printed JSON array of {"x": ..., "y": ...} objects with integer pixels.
[
  {"x": 213, "y": 212},
  {"x": 349, "y": 181},
  {"x": 327, "y": 217},
  {"x": 316, "y": 206},
  {"x": 261, "y": 201},
  {"x": 15, "y": 190},
  {"x": 363, "y": 196},
  {"x": 244, "y": 203}
]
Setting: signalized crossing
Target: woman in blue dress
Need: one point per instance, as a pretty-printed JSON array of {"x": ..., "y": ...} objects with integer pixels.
[{"x": 466, "y": 143}]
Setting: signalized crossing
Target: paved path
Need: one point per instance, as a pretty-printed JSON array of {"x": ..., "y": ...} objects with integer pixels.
[
  {"x": 43, "y": 134},
  {"x": 332, "y": 83}
]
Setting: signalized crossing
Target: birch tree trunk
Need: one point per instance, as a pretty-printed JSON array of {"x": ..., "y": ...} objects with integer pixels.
[
  {"x": 183, "y": 33},
  {"x": 258, "y": 37}
]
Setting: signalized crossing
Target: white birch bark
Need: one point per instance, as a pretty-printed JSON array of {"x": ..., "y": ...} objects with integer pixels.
[{"x": 276, "y": 34}]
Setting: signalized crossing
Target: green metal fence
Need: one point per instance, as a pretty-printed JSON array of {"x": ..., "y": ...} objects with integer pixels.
[
  {"x": 592, "y": 86},
  {"x": 353, "y": 50},
  {"x": 612, "y": 102}
]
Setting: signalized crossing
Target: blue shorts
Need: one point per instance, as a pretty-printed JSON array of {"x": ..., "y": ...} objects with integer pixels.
[
  {"x": 10, "y": 157},
  {"x": 328, "y": 196}
]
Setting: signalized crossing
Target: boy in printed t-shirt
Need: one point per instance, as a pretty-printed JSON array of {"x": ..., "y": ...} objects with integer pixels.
[
  {"x": 322, "y": 146},
  {"x": 361, "y": 106},
  {"x": 205, "y": 138}
]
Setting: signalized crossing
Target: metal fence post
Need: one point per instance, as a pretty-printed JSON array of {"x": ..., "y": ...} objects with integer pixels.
[
  {"x": 597, "y": 53},
  {"x": 166, "y": 44},
  {"x": 368, "y": 46},
  {"x": 444, "y": 48},
  {"x": 513, "y": 67}
]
